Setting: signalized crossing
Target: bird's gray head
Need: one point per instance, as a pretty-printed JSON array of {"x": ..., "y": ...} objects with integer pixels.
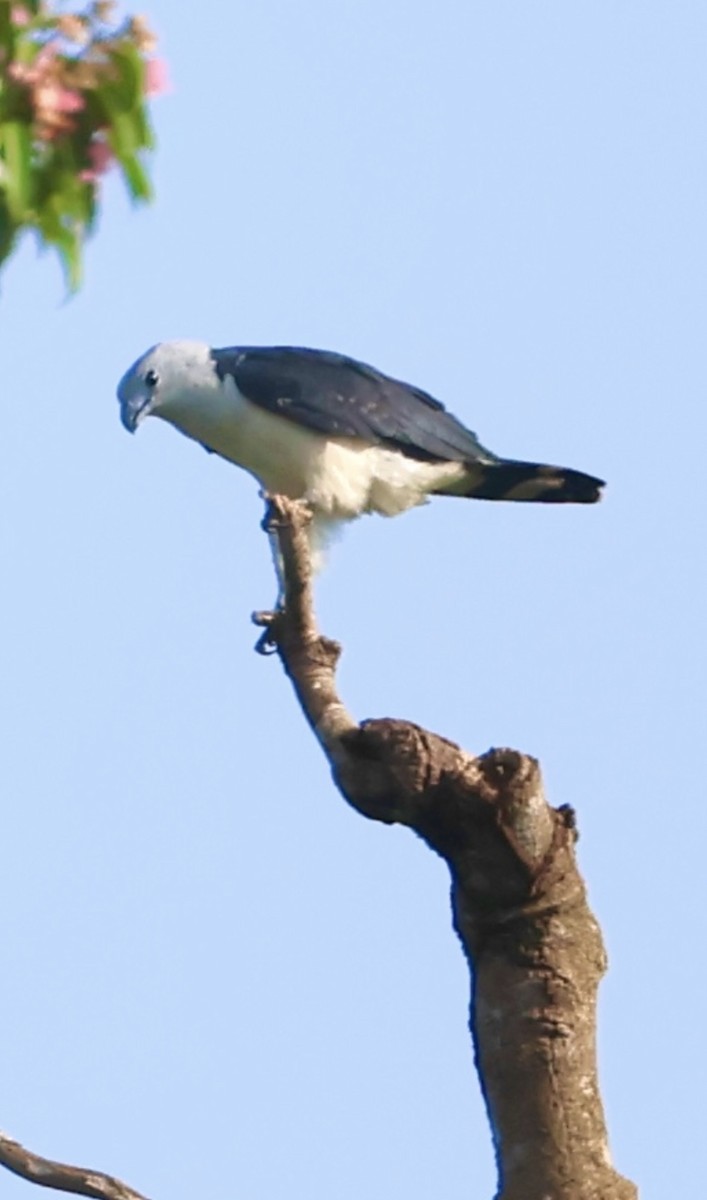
[{"x": 163, "y": 379}]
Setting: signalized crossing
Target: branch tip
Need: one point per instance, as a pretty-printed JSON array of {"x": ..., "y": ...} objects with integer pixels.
[{"x": 62, "y": 1177}]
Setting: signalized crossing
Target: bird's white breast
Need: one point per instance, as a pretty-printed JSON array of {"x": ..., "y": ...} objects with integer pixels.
[{"x": 341, "y": 477}]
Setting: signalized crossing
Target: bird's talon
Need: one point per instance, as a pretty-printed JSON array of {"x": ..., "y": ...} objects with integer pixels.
[
  {"x": 266, "y": 643},
  {"x": 267, "y": 620},
  {"x": 263, "y": 617},
  {"x": 270, "y": 522}
]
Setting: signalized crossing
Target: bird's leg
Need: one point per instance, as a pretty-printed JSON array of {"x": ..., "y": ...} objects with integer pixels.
[
  {"x": 279, "y": 523},
  {"x": 279, "y": 568},
  {"x": 267, "y": 642}
]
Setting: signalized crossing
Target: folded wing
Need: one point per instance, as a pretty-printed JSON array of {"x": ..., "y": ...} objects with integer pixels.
[{"x": 340, "y": 397}]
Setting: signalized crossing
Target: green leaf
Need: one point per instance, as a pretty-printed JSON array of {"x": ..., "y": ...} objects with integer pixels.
[
  {"x": 6, "y": 30},
  {"x": 8, "y": 232},
  {"x": 123, "y": 135},
  {"x": 54, "y": 230},
  {"x": 69, "y": 252},
  {"x": 17, "y": 183},
  {"x": 126, "y": 91},
  {"x": 136, "y": 179},
  {"x": 144, "y": 128}
]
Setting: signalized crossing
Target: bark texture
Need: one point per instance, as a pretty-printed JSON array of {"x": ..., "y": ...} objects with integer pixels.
[
  {"x": 80, "y": 1181},
  {"x": 520, "y": 908}
]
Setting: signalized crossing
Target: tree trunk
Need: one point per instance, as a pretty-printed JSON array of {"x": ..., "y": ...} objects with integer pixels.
[{"x": 519, "y": 904}]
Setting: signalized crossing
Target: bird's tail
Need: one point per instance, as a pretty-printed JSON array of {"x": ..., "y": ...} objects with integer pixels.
[{"x": 534, "y": 482}]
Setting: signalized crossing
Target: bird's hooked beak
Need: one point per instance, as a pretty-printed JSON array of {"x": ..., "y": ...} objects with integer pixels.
[{"x": 133, "y": 410}]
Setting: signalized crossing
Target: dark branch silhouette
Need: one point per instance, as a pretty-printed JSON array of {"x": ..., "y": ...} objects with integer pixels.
[{"x": 519, "y": 903}]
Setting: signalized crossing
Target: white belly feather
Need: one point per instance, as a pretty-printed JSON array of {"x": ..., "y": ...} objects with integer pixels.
[{"x": 340, "y": 477}]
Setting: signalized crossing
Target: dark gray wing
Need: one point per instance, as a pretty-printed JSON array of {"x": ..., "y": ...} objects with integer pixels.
[{"x": 339, "y": 397}]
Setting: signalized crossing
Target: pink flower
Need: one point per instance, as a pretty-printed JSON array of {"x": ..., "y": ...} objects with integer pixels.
[
  {"x": 52, "y": 106},
  {"x": 19, "y": 15},
  {"x": 66, "y": 100},
  {"x": 156, "y": 77},
  {"x": 21, "y": 73},
  {"x": 52, "y": 98},
  {"x": 46, "y": 55},
  {"x": 42, "y": 67},
  {"x": 101, "y": 156}
]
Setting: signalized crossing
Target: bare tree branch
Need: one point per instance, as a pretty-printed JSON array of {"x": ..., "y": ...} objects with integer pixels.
[
  {"x": 519, "y": 905},
  {"x": 309, "y": 659},
  {"x": 60, "y": 1176}
]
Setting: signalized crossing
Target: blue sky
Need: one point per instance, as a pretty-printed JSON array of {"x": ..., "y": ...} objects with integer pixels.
[{"x": 219, "y": 980}]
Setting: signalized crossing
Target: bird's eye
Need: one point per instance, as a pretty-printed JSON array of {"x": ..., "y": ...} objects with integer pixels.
[{"x": 151, "y": 378}]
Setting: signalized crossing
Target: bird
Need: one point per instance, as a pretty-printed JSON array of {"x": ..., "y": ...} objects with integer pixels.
[{"x": 322, "y": 427}]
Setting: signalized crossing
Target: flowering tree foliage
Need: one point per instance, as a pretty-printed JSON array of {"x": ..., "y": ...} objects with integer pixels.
[{"x": 73, "y": 91}]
